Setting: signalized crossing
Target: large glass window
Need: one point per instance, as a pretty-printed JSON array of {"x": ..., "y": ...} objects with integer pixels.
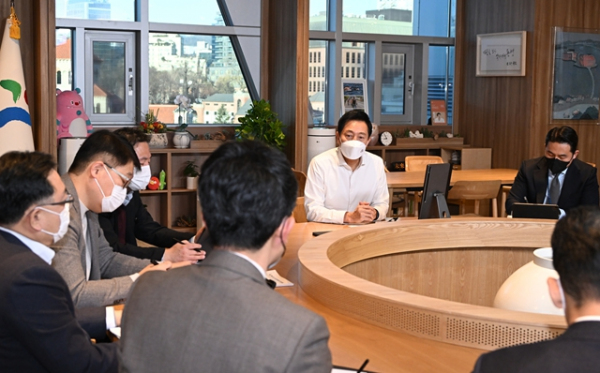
[
  {"x": 317, "y": 82},
  {"x": 406, "y": 55},
  {"x": 441, "y": 78},
  {"x": 208, "y": 74},
  {"x": 215, "y": 66},
  {"x": 64, "y": 60},
  {"x": 318, "y": 15},
  {"x": 205, "y": 12},
  {"x": 110, "y": 10}
]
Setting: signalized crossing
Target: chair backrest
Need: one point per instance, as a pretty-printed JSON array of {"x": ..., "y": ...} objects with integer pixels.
[
  {"x": 420, "y": 162},
  {"x": 591, "y": 164},
  {"x": 299, "y": 211},
  {"x": 301, "y": 177},
  {"x": 477, "y": 190}
]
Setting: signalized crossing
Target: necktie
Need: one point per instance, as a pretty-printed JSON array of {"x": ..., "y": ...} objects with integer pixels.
[
  {"x": 554, "y": 193},
  {"x": 121, "y": 224}
]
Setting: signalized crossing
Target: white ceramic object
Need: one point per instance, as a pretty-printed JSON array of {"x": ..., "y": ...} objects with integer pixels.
[
  {"x": 181, "y": 140},
  {"x": 526, "y": 289},
  {"x": 191, "y": 182}
]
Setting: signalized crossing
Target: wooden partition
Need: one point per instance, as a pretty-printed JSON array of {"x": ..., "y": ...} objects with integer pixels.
[
  {"x": 441, "y": 257},
  {"x": 511, "y": 115}
]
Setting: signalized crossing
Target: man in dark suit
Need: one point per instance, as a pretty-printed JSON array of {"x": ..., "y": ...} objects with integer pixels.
[
  {"x": 576, "y": 258},
  {"x": 131, "y": 221},
  {"x": 228, "y": 319},
  {"x": 39, "y": 328},
  {"x": 558, "y": 177}
]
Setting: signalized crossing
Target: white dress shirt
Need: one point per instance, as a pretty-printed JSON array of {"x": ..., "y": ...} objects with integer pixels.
[{"x": 332, "y": 188}]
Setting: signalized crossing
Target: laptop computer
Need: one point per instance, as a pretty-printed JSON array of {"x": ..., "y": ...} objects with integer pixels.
[{"x": 535, "y": 211}]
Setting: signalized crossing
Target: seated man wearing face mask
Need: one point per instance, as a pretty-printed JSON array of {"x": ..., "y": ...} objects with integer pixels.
[
  {"x": 558, "y": 178},
  {"x": 131, "y": 221},
  {"x": 97, "y": 180},
  {"x": 347, "y": 184}
]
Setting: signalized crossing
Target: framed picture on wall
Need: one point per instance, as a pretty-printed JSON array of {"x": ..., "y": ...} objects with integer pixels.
[
  {"x": 501, "y": 54},
  {"x": 354, "y": 95},
  {"x": 576, "y": 83}
]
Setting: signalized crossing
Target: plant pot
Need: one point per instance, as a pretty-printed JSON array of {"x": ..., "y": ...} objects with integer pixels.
[
  {"x": 158, "y": 140},
  {"x": 181, "y": 140},
  {"x": 191, "y": 182}
]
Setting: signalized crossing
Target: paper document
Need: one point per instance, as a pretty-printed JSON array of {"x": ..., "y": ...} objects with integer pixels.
[
  {"x": 279, "y": 280},
  {"x": 116, "y": 331}
]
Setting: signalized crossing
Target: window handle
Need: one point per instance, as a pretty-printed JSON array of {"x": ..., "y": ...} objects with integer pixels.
[{"x": 130, "y": 85}]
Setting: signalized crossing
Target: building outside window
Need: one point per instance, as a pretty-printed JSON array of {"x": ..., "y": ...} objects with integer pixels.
[
  {"x": 400, "y": 82},
  {"x": 185, "y": 48}
]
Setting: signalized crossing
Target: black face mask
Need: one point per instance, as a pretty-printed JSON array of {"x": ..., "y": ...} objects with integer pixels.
[{"x": 556, "y": 165}]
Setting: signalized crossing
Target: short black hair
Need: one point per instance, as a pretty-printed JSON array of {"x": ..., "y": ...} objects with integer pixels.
[
  {"x": 576, "y": 253},
  {"x": 246, "y": 189},
  {"x": 359, "y": 115},
  {"x": 563, "y": 135},
  {"x": 133, "y": 135},
  {"x": 106, "y": 146},
  {"x": 23, "y": 183}
]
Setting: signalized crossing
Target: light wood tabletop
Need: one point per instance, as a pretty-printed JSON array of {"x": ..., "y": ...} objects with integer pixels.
[{"x": 352, "y": 341}]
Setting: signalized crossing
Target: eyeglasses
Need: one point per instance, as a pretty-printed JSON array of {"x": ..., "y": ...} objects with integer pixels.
[
  {"x": 69, "y": 199},
  {"x": 126, "y": 180}
]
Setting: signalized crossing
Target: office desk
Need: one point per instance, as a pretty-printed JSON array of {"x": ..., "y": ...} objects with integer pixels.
[
  {"x": 415, "y": 179},
  {"x": 352, "y": 341}
]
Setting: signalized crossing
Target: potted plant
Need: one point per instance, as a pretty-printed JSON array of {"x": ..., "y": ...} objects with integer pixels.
[
  {"x": 191, "y": 172},
  {"x": 156, "y": 129},
  {"x": 260, "y": 123}
]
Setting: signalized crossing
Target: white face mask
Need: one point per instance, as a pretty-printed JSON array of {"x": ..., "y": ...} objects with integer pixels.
[
  {"x": 140, "y": 179},
  {"x": 353, "y": 149},
  {"x": 116, "y": 198},
  {"x": 65, "y": 218}
]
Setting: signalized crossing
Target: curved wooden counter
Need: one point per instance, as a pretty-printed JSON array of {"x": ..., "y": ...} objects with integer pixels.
[{"x": 322, "y": 277}]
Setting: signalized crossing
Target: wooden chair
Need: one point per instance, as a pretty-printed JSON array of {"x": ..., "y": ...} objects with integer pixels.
[
  {"x": 301, "y": 177},
  {"x": 420, "y": 162},
  {"x": 476, "y": 191},
  {"x": 299, "y": 211},
  {"x": 417, "y": 163}
]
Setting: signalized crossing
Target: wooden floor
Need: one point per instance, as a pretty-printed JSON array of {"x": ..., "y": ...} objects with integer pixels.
[{"x": 352, "y": 341}]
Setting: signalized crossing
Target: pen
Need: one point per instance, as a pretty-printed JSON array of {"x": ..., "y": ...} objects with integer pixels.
[
  {"x": 363, "y": 366},
  {"x": 153, "y": 262}
]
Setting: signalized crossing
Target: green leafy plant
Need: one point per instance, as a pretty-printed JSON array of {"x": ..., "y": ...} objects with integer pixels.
[
  {"x": 191, "y": 169},
  {"x": 260, "y": 123}
]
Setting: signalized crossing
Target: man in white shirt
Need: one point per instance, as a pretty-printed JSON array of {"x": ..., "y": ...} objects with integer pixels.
[
  {"x": 347, "y": 184},
  {"x": 576, "y": 258},
  {"x": 40, "y": 331}
]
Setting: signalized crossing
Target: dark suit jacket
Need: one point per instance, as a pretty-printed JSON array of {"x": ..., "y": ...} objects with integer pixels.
[
  {"x": 574, "y": 351},
  {"x": 219, "y": 316},
  {"x": 139, "y": 224},
  {"x": 38, "y": 328},
  {"x": 580, "y": 186}
]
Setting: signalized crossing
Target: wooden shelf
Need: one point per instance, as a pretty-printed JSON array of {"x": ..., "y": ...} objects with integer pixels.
[
  {"x": 471, "y": 158},
  {"x": 175, "y": 200}
]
